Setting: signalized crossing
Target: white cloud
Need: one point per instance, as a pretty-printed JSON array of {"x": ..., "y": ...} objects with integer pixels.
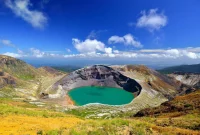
[
  {"x": 37, "y": 53},
  {"x": 192, "y": 55},
  {"x": 173, "y": 52},
  {"x": 142, "y": 54},
  {"x": 21, "y": 8},
  {"x": 108, "y": 50},
  {"x": 127, "y": 39},
  {"x": 152, "y": 20},
  {"x": 115, "y": 51},
  {"x": 7, "y": 42},
  {"x": 88, "y": 45},
  {"x": 193, "y": 49},
  {"x": 15, "y": 55},
  {"x": 116, "y": 39}
]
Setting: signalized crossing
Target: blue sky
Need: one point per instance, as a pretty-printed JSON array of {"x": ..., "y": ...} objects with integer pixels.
[{"x": 110, "y": 31}]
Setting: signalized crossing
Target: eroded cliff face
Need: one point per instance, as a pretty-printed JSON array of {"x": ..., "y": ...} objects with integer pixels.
[
  {"x": 190, "y": 79},
  {"x": 152, "y": 79},
  {"x": 97, "y": 75},
  {"x": 6, "y": 79}
]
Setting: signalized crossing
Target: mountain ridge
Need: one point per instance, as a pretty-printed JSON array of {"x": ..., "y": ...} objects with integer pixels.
[{"x": 194, "y": 68}]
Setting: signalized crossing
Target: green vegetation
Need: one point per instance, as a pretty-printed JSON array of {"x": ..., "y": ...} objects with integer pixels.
[
  {"x": 11, "y": 107},
  {"x": 27, "y": 77},
  {"x": 182, "y": 68},
  {"x": 25, "y": 113},
  {"x": 111, "y": 127},
  {"x": 7, "y": 91}
]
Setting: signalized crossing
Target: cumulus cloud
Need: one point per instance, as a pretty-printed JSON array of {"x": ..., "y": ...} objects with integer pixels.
[
  {"x": 88, "y": 45},
  {"x": 7, "y": 42},
  {"x": 21, "y": 8},
  {"x": 108, "y": 50},
  {"x": 127, "y": 39},
  {"x": 152, "y": 20},
  {"x": 144, "y": 54}
]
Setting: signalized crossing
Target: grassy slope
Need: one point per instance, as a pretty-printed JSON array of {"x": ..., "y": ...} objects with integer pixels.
[
  {"x": 18, "y": 68},
  {"x": 180, "y": 105},
  {"x": 19, "y": 117}
]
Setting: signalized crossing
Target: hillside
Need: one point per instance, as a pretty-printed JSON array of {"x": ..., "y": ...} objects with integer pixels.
[
  {"x": 49, "y": 71},
  {"x": 180, "y": 105},
  {"x": 182, "y": 68},
  {"x": 18, "y": 68},
  {"x": 183, "y": 112},
  {"x": 19, "y": 117},
  {"x": 19, "y": 79}
]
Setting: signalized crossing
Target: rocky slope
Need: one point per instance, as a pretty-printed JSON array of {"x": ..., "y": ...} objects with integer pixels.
[
  {"x": 190, "y": 79},
  {"x": 6, "y": 79}
]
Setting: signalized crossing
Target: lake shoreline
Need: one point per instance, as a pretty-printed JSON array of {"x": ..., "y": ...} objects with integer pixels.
[{"x": 99, "y": 95}]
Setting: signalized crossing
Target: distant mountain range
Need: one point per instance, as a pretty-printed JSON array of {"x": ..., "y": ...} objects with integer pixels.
[{"x": 195, "y": 68}]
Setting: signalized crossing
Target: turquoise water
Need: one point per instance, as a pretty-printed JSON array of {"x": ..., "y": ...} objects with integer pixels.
[{"x": 103, "y": 95}]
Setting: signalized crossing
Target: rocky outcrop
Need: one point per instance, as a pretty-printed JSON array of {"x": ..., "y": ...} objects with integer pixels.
[
  {"x": 6, "y": 79},
  {"x": 190, "y": 79}
]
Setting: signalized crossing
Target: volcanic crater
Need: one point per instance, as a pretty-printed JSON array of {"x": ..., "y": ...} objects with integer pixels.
[{"x": 97, "y": 76}]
